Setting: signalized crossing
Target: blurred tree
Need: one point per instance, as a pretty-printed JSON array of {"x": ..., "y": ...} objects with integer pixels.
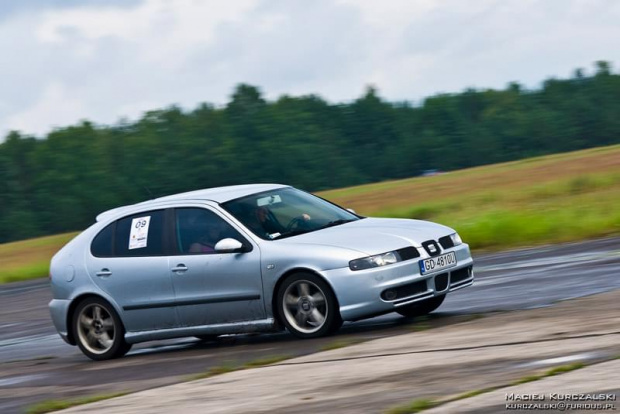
[{"x": 63, "y": 181}]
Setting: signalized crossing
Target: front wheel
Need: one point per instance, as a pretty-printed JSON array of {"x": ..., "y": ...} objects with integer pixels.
[
  {"x": 99, "y": 331},
  {"x": 421, "y": 308},
  {"x": 307, "y": 306}
]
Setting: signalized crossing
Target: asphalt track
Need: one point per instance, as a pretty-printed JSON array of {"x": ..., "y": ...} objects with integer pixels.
[{"x": 35, "y": 364}]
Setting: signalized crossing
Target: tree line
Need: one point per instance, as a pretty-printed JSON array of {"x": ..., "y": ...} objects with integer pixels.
[{"x": 62, "y": 181}]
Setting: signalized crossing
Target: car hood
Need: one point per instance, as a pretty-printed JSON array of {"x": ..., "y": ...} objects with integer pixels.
[{"x": 374, "y": 235}]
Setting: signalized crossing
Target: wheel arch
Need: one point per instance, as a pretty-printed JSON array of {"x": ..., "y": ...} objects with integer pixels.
[
  {"x": 274, "y": 297},
  {"x": 73, "y": 306}
]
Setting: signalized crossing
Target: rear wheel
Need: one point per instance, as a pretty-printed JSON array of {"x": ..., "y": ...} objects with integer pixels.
[
  {"x": 307, "y": 306},
  {"x": 99, "y": 331},
  {"x": 421, "y": 308}
]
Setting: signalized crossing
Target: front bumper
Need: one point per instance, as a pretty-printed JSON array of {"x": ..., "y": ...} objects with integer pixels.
[
  {"x": 380, "y": 290},
  {"x": 59, "y": 310}
]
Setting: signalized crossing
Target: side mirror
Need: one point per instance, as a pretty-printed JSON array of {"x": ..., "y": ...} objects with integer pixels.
[
  {"x": 228, "y": 246},
  {"x": 350, "y": 210}
]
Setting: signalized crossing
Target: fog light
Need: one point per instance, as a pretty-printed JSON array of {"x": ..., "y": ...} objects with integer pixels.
[{"x": 390, "y": 294}]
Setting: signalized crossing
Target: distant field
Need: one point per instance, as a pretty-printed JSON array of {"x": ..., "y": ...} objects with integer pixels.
[
  {"x": 29, "y": 259},
  {"x": 557, "y": 198},
  {"x": 548, "y": 199}
]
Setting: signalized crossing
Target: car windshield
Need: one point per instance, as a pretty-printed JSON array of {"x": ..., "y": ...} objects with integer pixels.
[{"x": 286, "y": 212}]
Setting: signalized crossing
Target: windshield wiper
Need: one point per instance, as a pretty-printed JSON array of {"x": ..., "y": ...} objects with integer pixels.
[
  {"x": 337, "y": 223},
  {"x": 291, "y": 233}
]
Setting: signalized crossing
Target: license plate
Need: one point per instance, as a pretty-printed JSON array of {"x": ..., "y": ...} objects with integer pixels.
[{"x": 434, "y": 264}]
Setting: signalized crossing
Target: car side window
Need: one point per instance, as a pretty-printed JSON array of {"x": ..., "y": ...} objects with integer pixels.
[
  {"x": 198, "y": 230},
  {"x": 140, "y": 234},
  {"x": 102, "y": 243}
]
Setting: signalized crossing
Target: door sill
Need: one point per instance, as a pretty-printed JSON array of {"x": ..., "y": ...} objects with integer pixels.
[{"x": 261, "y": 325}]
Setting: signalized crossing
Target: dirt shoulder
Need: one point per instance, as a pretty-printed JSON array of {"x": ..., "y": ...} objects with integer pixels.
[{"x": 373, "y": 376}]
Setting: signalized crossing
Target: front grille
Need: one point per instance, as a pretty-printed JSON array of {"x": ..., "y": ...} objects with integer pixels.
[
  {"x": 460, "y": 275},
  {"x": 404, "y": 291},
  {"x": 446, "y": 242},
  {"x": 431, "y": 247},
  {"x": 441, "y": 282},
  {"x": 408, "y": 253}
]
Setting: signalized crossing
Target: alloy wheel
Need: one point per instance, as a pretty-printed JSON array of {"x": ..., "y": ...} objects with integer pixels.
[
  {"x": 96, "y": 328},
  {"x": 305, "y": 306}
]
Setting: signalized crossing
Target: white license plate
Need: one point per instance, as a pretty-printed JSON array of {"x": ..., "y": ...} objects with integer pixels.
[{"x": 434, "y": 264}]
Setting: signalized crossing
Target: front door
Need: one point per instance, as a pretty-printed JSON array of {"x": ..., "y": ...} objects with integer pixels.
[{"x": 210, "y": 287}]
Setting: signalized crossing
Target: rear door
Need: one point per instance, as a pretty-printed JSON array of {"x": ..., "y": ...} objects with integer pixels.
[
  {"x": 128, "y": 261},
  {"x": 213, "y": 288}
]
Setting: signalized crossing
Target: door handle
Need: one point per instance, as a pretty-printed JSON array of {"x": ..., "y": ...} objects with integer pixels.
[
  {"x": 179, "y": 268},
  {"x": 104, "y": 272}
]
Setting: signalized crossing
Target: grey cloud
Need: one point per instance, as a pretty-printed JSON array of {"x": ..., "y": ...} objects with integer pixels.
[
  {"x": 9, "y": 8},
  {"x": 310, "y": 45},
  {"x": 322, "y": 47},
  {"x": 523, "y": 41}
]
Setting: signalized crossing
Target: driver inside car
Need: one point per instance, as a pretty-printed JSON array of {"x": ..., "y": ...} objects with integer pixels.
[{"x": 270, "y": 224}]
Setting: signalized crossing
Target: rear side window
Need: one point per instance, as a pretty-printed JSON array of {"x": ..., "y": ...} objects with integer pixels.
[
  {"x": 102, "y": 243},
  {"x": 140, "y": 235}
]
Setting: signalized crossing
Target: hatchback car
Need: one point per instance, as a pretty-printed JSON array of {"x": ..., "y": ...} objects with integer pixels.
[{"x": 249, "y": 258}]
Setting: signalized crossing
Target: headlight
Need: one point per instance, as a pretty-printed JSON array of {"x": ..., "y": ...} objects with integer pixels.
[
  {"x": 382, "y": 259},
  {"x": 456, "y": 239}
]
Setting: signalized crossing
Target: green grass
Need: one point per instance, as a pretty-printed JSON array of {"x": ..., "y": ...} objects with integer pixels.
[
  {"x": 555, "y": 212},
  {"x": 25, "y": 272},
  {"x": 563, "y": 369},
  {"x": 414, "y": 406},
  {"x": 421, "y": 323},
  {"x": 213, "y": 371},
  {"x": 544, "y": 200},
  {"x": 473, "y": 393},
  {"x": 261, "y": 362},
  {"x": 419, "y": 405},
  {"x": 526, "y": 379},
  {"x": 557, "y": 198},
  {"x": 29, "y": 259},
  {"x": 549, "y": 373},
  {"x": 231, "y": 367},
  {"x": 340, "y": 343},
  {"x": 55, "y": 405}
]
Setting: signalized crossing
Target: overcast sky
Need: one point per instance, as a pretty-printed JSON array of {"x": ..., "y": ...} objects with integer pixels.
[{"x": 67, "y": 60}]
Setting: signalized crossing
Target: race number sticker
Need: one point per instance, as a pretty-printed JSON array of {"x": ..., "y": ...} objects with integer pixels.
[{"x": 139, "y": 233}]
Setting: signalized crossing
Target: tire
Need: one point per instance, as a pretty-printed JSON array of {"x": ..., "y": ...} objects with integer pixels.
[
  {"x": 421, "y": 308},
  {"x": 98, "y": 330},
  {"x": 307, "y": 306}
]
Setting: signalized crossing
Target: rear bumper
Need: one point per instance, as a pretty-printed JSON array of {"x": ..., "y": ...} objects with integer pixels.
[
  {"x": 59, "y": 310},
  {"x": 362, "y": 294}
]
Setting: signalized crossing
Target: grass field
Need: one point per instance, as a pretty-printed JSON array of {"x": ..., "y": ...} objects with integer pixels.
[
  {"x": 29, "y": 259},
  {"x": 557, "y": 198}
]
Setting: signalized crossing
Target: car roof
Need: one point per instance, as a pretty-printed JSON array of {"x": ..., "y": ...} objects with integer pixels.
[{"x": 216, "y": 194}]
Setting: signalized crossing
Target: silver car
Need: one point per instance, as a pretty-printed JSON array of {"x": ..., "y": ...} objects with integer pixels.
[{"x": 241, "y": 259}]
